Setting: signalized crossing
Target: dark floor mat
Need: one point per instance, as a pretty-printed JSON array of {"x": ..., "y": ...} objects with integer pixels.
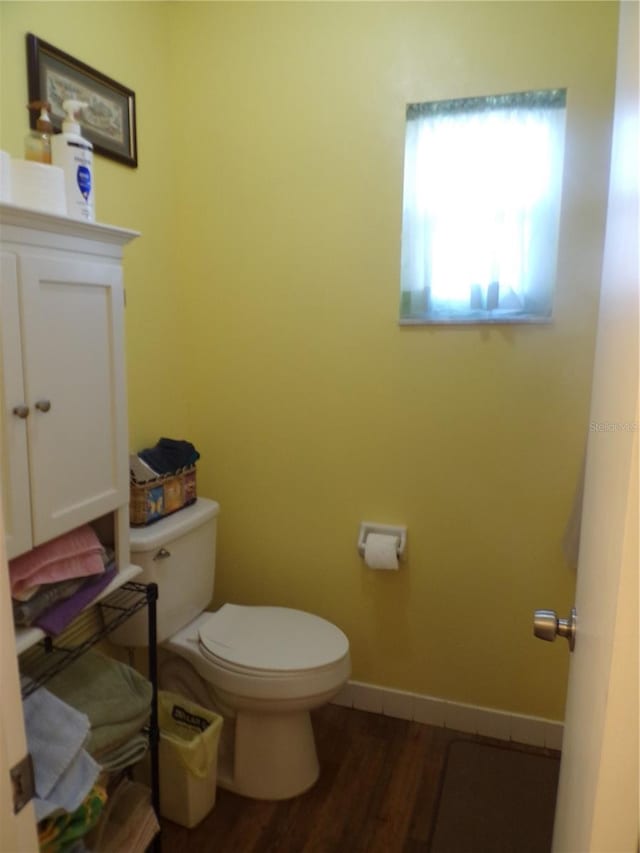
[{"x": 495, "y": 800}]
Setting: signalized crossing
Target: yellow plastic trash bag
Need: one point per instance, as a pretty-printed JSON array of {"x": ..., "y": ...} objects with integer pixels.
[{"x": 188, "y": 755}]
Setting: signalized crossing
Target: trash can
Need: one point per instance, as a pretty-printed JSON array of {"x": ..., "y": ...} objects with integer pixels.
[{"x": 188, "y": 754}]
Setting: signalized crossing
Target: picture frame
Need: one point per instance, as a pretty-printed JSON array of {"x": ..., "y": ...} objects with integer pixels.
[{"x": 109, "y": 121}]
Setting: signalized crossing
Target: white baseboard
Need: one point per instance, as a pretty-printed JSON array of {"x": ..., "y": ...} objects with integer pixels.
[{"x": 535, "y": 731}]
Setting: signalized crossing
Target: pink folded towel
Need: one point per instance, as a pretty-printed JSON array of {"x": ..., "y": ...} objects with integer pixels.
[{"x": 73, "y": 555}]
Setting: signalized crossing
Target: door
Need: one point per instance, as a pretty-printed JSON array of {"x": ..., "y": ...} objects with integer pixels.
[
  {"x": 17, "y": 831},
  {"x": 597, "y": 806},
  {"x": 72, "y": 345}
]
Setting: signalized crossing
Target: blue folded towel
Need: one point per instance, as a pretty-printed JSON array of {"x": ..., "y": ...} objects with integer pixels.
[
  {"x": 71, "y": 788},
  {"x": 64, "y": 772}
]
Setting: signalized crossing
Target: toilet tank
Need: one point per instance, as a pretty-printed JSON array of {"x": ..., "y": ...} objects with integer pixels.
[{"x": 178, "y": 553}]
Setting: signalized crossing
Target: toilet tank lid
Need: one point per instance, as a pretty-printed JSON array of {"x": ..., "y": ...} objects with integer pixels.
[{"x": 174, "y": 525}]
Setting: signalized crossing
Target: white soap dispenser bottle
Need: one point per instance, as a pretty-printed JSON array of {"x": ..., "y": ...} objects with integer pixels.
[{"x": 74, "y": 155}]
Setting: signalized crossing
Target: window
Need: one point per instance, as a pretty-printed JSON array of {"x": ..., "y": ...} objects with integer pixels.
[{"x": 481, "y": 208}]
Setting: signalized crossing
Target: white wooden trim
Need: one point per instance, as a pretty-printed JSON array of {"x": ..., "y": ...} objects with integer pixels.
[
  {"x": 46, "y": 232},
  {"x": 12, "y": 216},
  {"x": 473, "y": 719}
]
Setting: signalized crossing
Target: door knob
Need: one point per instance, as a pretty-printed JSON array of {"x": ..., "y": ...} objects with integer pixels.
[
  {"x": 547, "y": 626},
  {"x": 43, "y": 405},
  {"x": 21, "y": 411}
]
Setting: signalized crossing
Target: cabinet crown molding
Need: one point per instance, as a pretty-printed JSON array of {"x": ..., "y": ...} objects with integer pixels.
[{"x": 12, "y": 216}]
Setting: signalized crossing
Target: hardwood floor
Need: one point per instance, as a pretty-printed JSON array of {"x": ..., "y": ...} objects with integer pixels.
[{"x": 377, "y": 792}]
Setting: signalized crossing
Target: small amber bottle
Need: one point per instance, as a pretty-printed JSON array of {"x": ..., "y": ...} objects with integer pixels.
[{"x": 37, "y": 144}]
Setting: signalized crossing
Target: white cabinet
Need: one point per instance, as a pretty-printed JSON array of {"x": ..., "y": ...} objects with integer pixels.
[{"x": 64, "y": 428}]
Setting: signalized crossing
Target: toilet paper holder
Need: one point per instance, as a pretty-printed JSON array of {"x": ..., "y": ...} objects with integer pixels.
[{"x": 367, "y": 527}]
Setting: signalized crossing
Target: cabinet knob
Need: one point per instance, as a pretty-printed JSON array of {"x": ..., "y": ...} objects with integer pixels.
[
  {"x": 21, "y": 411},
  {"x": 43, "y": 405}
]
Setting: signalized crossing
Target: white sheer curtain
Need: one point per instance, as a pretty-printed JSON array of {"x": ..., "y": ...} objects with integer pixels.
[{"x": 482, "y": 190}]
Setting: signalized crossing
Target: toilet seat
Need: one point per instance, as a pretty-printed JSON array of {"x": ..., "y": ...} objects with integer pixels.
[
  {"x": 240, "y": 682},
  {"x": 270, "y": 642}
]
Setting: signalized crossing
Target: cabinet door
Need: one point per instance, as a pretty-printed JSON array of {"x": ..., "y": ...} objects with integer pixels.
[
  {"x": 73, "y": 360},
  {"x": 13, "y": 462}
]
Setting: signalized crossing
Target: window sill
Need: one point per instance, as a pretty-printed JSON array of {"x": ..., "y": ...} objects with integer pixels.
[{"x": 497, "y": 320}]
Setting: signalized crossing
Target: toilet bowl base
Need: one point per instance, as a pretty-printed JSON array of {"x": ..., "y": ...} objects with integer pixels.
[{"x": 274, "y": 757}]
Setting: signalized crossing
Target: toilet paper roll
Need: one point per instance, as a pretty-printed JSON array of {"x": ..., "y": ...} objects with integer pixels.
[
  {"x": 38, "y": 186},
  {"x": 380, "y": 551},
  {"x": 5, "y": 177}
]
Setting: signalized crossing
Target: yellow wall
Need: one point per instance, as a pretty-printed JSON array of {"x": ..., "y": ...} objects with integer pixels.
[
  {"x": 128, "y": 42},
  {"x": 263, "y": 302}
]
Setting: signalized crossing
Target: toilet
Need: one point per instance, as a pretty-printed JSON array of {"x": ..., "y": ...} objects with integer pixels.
[{"x": 263, "y": 668}]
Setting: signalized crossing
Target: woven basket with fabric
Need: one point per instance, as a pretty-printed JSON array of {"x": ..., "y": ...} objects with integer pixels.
[{"x": 154, "y": 499}]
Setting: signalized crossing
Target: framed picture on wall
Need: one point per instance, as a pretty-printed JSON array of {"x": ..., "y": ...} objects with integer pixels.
[{"x": 109, "y": 120}]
